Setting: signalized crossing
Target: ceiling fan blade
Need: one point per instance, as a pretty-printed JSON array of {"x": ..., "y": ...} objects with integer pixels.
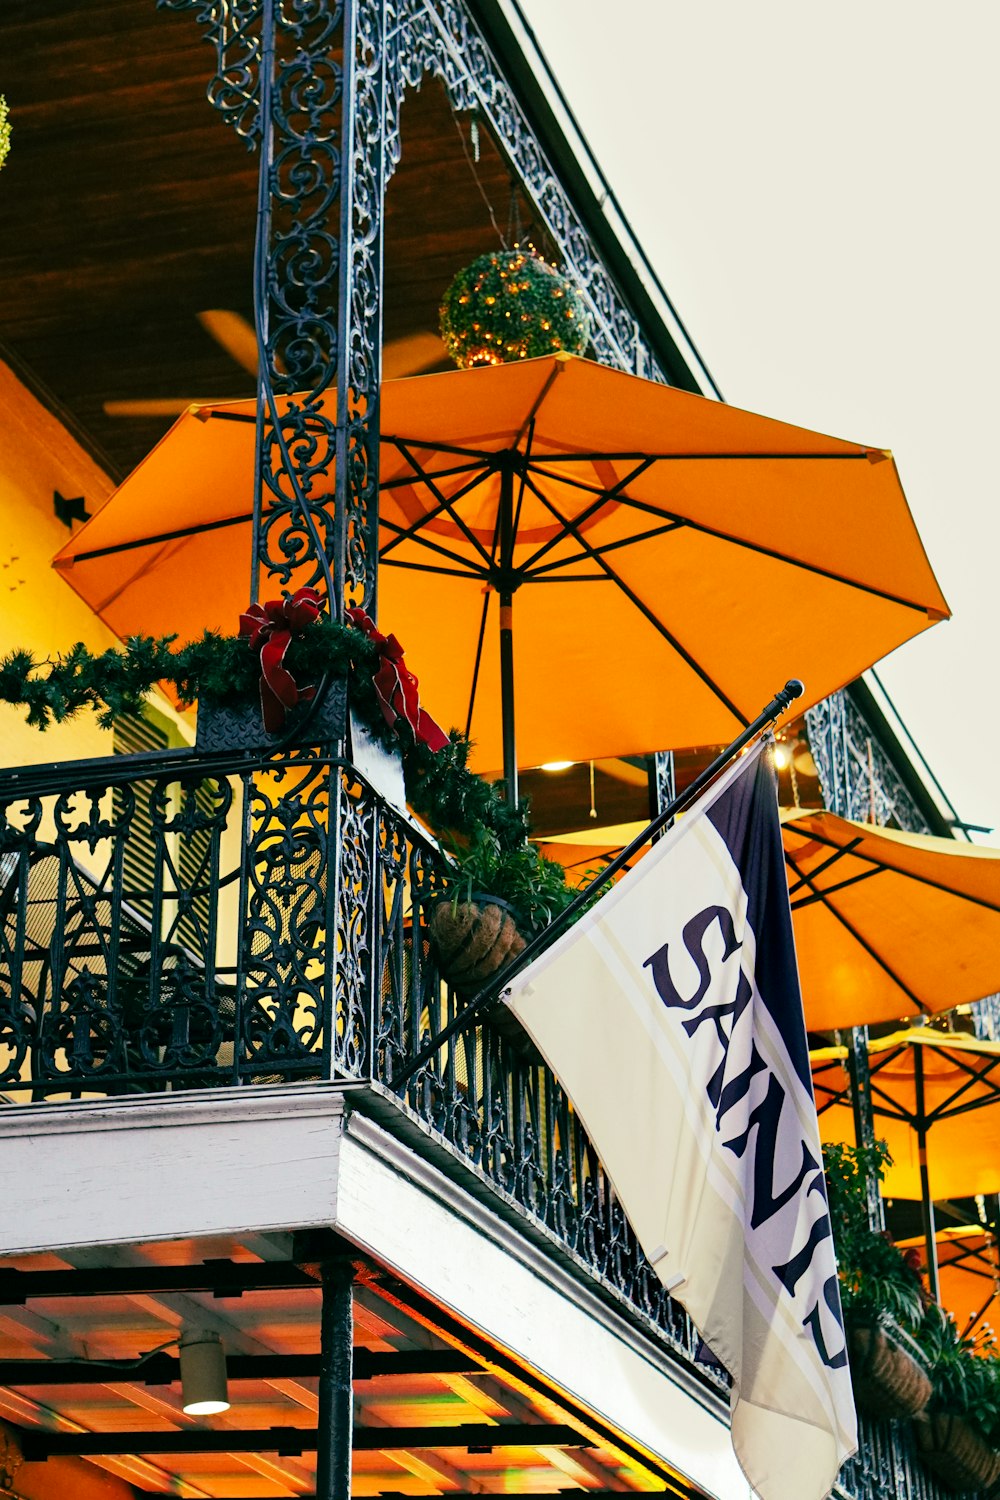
[
  {"x": 412, "y": 355},
  {"x": 400, "y": 357},
  {"x": 234, "y": 333},
  {"x": 165, "y": 406}
]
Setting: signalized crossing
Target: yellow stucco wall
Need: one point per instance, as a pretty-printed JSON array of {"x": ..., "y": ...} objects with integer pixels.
[{"x": 38, "y": 609}]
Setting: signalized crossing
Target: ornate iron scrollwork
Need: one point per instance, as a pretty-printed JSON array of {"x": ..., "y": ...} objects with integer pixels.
[
  {"x": 233, "y": 29},
  {"x": 305, "y": 84},
  {"x": 441, "y": 37},
  {"x": 857, "y": 778}
]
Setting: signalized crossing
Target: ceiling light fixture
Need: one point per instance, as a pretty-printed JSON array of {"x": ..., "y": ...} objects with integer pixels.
[
  {"x": 557, "y": 765},
  {"x": 204, "y": 1390}
]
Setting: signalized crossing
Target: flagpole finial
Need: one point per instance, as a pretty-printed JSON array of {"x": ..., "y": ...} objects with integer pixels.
[{"x": 793, "y": 689}]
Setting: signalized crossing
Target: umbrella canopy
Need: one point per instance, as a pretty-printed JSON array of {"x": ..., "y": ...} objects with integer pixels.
[
  {"x": 650, "y": 548},
  {"x": 935, "y": 1085},
  {"x": 934, "y": 1099},
  {"x": 968, "y": 1274},
  {"x": 889, "y": 925}
]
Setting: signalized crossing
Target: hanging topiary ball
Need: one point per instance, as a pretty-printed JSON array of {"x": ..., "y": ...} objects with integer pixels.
[
  {"x": 510, "y": 305},
  {"x": 5, "y": 131}
]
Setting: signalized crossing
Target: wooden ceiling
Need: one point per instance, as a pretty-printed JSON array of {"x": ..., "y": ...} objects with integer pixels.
[
  {"x": 127, "y": 207},
  {"x": 449, "y": 1378}
]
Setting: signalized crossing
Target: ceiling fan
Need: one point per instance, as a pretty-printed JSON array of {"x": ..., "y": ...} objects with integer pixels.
[{"x": 415, "y": 354}]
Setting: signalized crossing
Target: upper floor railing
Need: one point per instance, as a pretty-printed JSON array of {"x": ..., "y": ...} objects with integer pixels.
[{"x": 181, "y": 921}]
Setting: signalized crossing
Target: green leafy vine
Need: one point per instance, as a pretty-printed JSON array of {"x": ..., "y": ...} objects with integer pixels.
[{"x": 489, "y": 839}]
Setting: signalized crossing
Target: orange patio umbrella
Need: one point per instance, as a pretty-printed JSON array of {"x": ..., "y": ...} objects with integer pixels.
[
  {"x": 649, "y": 547},
  {"x": 935, "y": 1098},
  {"x": 938, "y": 1085},
  {"x": 888, "y": 925},
  {"x": 968, "y": 1261}
]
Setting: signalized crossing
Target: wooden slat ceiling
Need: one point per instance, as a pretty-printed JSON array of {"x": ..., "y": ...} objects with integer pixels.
[
  {"x": 127, "y": 207},
  {"x": 287, "y": 1322}
]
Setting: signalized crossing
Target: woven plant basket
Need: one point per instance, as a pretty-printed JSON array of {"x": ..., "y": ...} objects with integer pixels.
[
  {"x": 473, "y": 939},
  {"x": 953, "y": 1451},
  {"x": 888, "y": 1375}
]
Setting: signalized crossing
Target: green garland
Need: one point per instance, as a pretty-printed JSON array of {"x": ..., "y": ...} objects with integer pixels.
[
  {"x": 217, "y": 669},
  {"x": 488, "y": 838},
  {"x": 511, "y": 305}
]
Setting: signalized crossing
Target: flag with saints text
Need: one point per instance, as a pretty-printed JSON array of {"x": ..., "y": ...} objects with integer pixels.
[{"x": 672, "y": 1015}]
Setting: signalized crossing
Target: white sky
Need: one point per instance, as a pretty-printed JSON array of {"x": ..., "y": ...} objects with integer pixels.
[{"x": 817, "y": 188}]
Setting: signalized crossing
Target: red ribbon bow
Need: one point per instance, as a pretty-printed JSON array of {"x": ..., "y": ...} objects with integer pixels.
[
  {"x": 272, "y": 626},
  {"x": 396, "y": 687}
]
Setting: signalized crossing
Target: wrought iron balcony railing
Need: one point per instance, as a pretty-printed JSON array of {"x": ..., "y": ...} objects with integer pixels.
[
  {"x": 173, "y": 921},
  {"x": 176, "y": 922}
]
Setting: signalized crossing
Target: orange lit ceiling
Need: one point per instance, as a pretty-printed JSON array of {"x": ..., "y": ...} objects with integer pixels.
[
  {"x": 415, "y": 1369},
  {"x": 129, "y": 208}
]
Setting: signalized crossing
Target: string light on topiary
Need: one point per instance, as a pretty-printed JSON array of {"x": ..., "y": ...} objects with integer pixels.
[
  {"x": 511, "y": 305},
  {"x": 5, "y": 130}
]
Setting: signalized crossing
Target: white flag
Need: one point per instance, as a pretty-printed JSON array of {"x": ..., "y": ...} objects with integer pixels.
[{"x": 672, "y": 1015}]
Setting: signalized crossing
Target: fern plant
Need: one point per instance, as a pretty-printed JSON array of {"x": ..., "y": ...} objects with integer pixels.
[
  {"x": 965, "y": 1372},
  {"x": 876, "y": 1281},
  {"x": 533, "y": 887}
]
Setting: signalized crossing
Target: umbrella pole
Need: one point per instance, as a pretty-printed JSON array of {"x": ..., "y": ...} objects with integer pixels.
[
  {"x": 864, "y": 1119},
  {"x": 507, "y": 633},
  {"x": 925, "y": 1182}
]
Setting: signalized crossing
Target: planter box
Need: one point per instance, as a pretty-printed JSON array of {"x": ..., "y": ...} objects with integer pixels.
[
  {"x": 888, "y": 1372},
  {"x": 961, "y": 1459},
  {"x": 242, "y": 728}
]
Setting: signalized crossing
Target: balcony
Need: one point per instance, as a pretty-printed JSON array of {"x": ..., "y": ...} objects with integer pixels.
[
  {"x": 239, "y": 952},
  {"x": 176, "y": 923}
]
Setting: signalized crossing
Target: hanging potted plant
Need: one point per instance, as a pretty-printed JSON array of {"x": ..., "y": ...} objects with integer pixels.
[
  {"x": 506, "y": 893},
  {"x": 959, "y": 1435},
  {"x": 881, "y": 1291}
]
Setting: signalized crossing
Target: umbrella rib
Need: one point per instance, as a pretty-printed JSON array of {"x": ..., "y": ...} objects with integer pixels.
[
  {"x": 736, "y": 541},
  {"x": 536, "y": 405},
  {"x": 604, "y": 496},
  {"x": 469, "y": 567},
  {"x": 433, "y": 445},
  {"x": 891, "y": 1109},
  {"x": 443, "y": 504},
  {"x": 821, "y": 869},
  {"x": 164, "y": 536},
  {"x": 404, "y": 480},
  {"x": 862, "y": 942},
  {"x": 832, "y": 890},
  {"x": 227, "y": 416},
  {"x": 970, "y": 1325},
  {"x": 683, "y": 458},
  {"x": 946, "y": 1110},
  {"x": 934, "y": 885},
  {"x": 643, "y": 609},
  {"x": 539, "y": 575},
  {"x": 567, "y": 577},
  {"x": 834, "y": 1095},
  {"x": 527, "y": 461},
  {"x": 413, "y": 567},
  {"x": 479, "y": 657}
]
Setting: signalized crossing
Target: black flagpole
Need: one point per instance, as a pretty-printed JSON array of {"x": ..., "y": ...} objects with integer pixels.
[{"x": 793, "y": 689}]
